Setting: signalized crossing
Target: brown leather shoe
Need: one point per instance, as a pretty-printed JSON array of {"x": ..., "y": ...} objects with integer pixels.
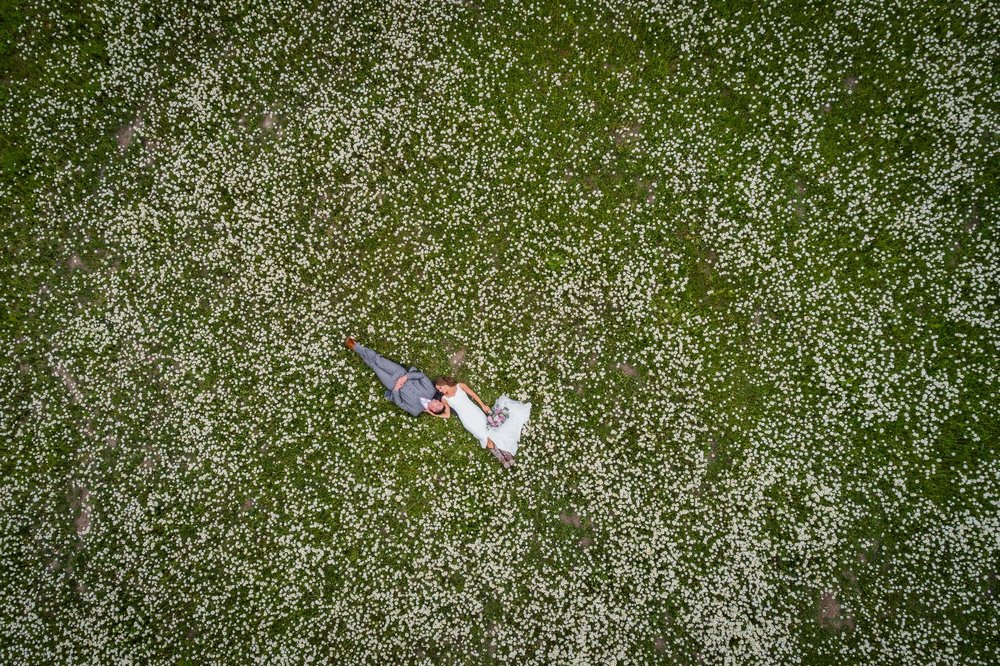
[{"x": 349, "y": 343}]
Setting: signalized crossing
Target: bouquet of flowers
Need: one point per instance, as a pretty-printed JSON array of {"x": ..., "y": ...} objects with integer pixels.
[{"x": 496, "y": 418}]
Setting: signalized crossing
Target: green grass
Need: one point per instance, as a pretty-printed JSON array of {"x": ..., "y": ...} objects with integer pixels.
[{"x": 190, "y": 333}]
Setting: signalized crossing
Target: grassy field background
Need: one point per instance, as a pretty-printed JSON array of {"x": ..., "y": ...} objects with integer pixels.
[{"x": 742, "y": 260}]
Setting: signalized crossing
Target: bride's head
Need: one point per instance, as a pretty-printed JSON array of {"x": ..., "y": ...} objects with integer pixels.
[{"x": 446, "y": 385}]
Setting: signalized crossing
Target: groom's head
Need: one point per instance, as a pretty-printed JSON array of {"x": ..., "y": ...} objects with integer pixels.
[{"x": 435, "y": 407}]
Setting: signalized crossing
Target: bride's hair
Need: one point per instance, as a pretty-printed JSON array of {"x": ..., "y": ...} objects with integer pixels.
[{"x": 445, "y": 381}]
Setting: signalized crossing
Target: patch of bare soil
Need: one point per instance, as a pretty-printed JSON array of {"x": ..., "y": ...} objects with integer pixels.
[
  {"x": 627, "y": 370},
  {"x": 570, "y": 519},
  {"x": 710, "y": 259},
  {"x": 491, "y": 630},
  {"x": 75, "y": 263},
  {"x": 829, "y": 607},
  {"x": 457, "y": 359},
  {"x": 69, "y": 383},
  {"x": 850, "y": 577},
  {"x": 82, "y": 522},
  {"x": 830, "y": 613},
  {"x": 973, "y": 222},
  {"x": 627, "y": 134},
  {"x": 126, "y": 133},
  {"x": 713, "y": 447},
  {"x": 79, "y": 501},
  {"x": 573, "y": 520},
  {"x": 124, "y": 136}
]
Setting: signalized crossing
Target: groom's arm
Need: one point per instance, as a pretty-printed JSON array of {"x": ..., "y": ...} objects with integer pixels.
[
  {"x": 422, "y": 380},
  {"x": 407, "y": 397},
  {"x": 412, "y": 374},
  {"x": 408, "y": 403},
  {"x": 404, "y": 402}
]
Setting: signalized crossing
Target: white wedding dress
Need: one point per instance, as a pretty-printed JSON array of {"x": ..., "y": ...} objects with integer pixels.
[{"x": 507, "y": 436}]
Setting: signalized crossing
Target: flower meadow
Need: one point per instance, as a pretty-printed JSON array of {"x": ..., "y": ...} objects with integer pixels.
[{"x": 741, "y": 258}]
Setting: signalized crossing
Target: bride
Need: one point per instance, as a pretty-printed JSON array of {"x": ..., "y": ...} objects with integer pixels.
[{"x": 500, "y": 441}]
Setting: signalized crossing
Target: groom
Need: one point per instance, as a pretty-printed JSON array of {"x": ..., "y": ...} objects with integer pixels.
[{"x": 412, "y": 391}]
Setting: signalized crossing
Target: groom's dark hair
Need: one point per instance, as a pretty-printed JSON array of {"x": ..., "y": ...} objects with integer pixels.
[{"x": 445, "y": 381}]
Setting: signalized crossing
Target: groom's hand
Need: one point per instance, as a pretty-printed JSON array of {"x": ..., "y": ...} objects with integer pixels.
[{"x": 400, "y": 382}]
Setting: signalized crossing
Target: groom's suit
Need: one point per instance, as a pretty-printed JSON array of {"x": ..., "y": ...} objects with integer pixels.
[{"x": 417, "y": 385}]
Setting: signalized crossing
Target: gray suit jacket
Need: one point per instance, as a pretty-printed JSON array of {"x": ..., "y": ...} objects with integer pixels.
[{"x": 417, "y": 386}]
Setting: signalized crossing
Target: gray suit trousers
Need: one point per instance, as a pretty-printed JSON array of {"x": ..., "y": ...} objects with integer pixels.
[{"x": 387, "y": 371}]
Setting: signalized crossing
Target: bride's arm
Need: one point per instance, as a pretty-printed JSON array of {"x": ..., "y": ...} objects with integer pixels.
[{"x": 475, "y": 397}]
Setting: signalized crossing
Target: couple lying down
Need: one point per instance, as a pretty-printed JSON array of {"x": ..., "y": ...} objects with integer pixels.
[{"x": 498, "y": 430}]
